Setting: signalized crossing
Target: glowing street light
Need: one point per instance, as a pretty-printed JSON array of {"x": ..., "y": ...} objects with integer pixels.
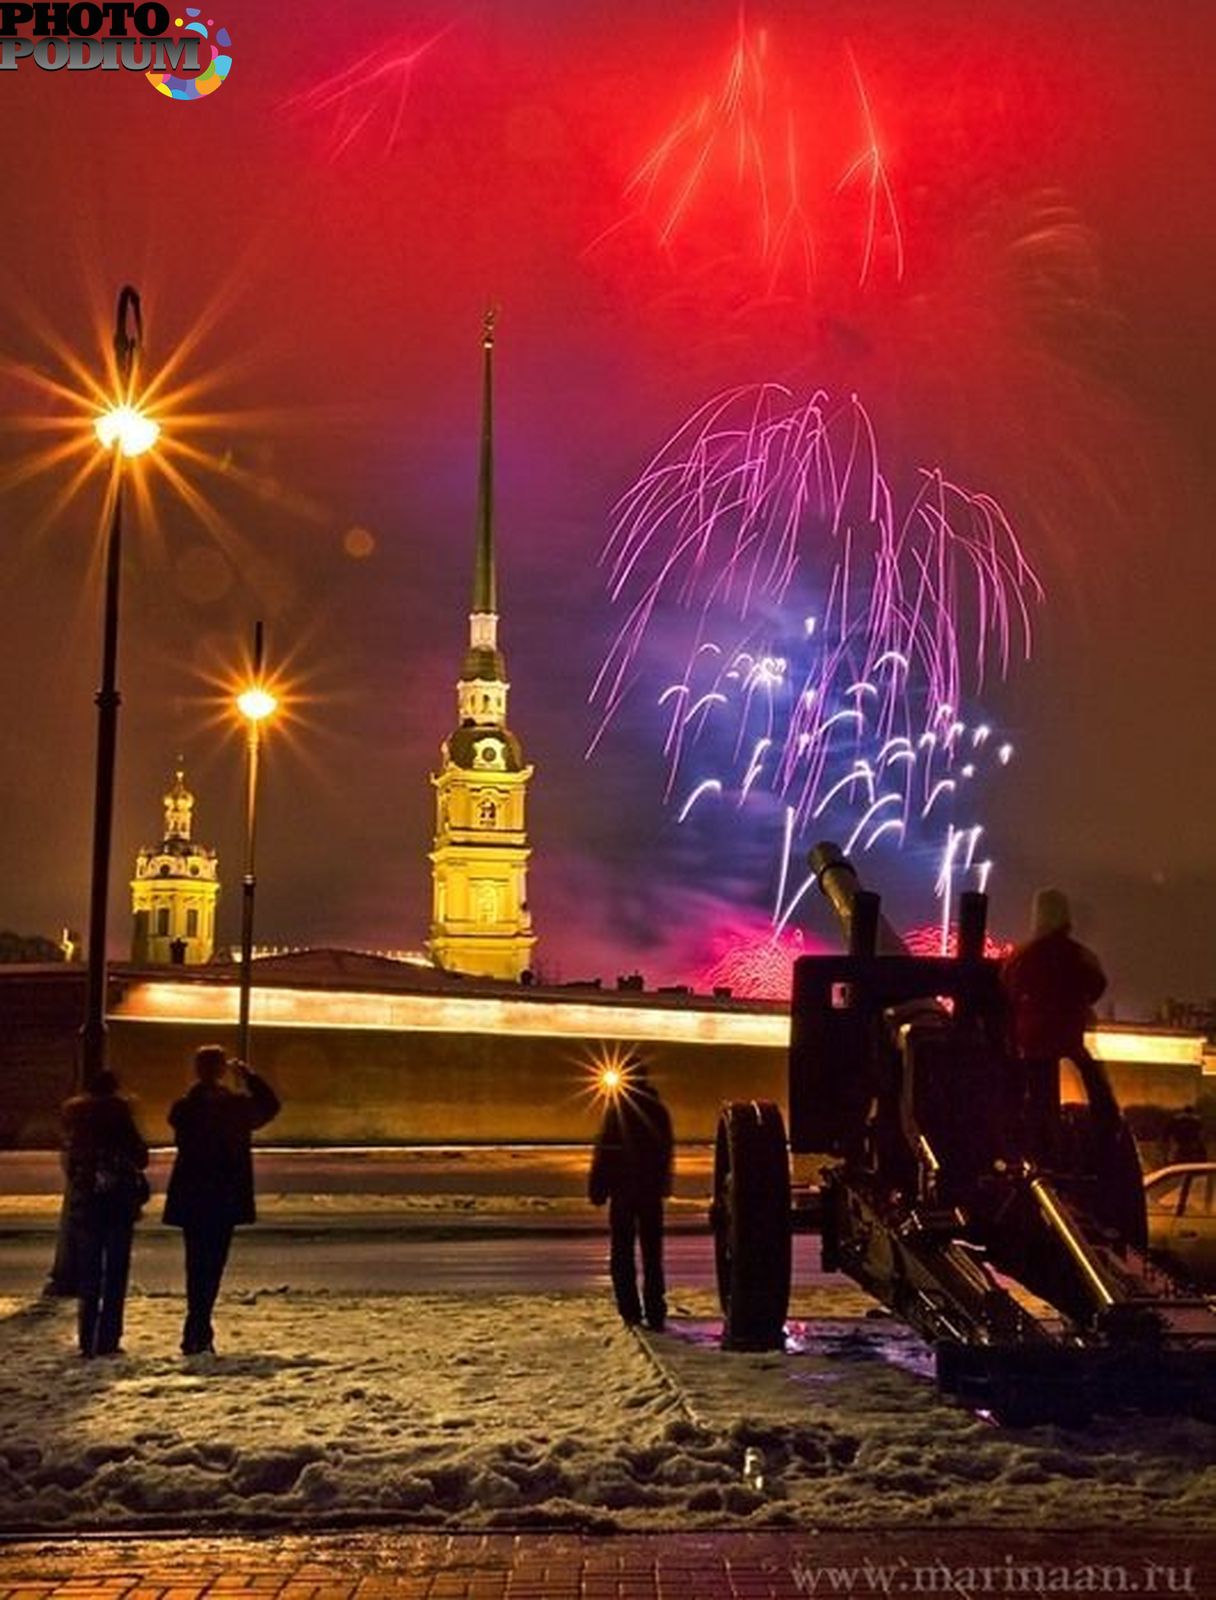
[
  {"x": 255, "y": 704},
  {"x": 127, "y": 428}
]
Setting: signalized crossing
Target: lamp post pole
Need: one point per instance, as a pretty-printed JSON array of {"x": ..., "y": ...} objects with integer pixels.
[
  {"x": 128, "y": 337},
  {"x": 255, "y": 705},
  {"x": 123, "y": 430}
]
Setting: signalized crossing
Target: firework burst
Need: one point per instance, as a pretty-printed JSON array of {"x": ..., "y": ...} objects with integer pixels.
[
  {"x": 828, "y": 632},
  {"x": 729, "y": 174}
]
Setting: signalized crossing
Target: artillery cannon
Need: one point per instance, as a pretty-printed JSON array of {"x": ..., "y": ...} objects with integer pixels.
[{"x": 1011, "y": 1239}]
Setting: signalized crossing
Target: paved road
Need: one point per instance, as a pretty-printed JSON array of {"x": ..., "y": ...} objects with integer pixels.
[
  {"x": 853, "y": 1564},
  {"x": 554, "y": 1171},
  {"x": 392, "y": 1263}
]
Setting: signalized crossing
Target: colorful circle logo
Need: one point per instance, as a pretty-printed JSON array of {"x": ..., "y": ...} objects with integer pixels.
[{"x": 213, "y": 74}]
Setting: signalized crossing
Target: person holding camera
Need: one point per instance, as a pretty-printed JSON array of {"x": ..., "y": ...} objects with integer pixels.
[{"x": 211, "y": 1186}]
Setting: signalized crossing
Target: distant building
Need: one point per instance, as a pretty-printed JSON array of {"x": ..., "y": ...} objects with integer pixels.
[
  {"x": 480, "y": 921},
  {"x": 174, "y": 890}
]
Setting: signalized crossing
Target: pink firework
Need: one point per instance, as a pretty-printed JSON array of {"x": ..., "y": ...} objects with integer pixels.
[
  {"x": 825, "y": 631},
  {"x": 756, "y": 967},
  {"x": 926, "y": 940}
]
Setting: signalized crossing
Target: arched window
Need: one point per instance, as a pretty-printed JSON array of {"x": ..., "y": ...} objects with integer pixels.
[{"x": 487, "y": 813}]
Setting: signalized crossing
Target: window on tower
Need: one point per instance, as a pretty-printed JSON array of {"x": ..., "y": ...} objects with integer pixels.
[
  {"x": 192, "y": 924},
  {"x": 487, "y": 814},
  {"x": 162, "y": 922}
]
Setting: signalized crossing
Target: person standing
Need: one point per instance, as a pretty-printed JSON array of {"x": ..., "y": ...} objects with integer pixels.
[
  {"x": 1052, "y": 983},
  {"x": 631, "y": 1169},
  {"x": 211, "y": 1186},
  {"x": 104, "y": 1157}
]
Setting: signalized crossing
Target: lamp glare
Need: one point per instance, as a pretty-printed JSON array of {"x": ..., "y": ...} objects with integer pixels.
[{"x": 129, "y": 429}]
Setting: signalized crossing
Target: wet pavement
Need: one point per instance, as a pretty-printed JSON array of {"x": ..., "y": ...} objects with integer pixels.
[{"x": 362, "y": 1565}]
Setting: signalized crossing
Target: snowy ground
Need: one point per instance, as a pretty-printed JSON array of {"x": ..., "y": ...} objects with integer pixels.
[{"x": 516, "y": 1410}]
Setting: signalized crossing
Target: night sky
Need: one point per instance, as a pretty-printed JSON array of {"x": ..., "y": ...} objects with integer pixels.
[{"x": 329, "y": 249}]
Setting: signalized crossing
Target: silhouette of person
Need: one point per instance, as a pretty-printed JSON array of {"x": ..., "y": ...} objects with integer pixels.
[
  {"x": 104, "y": 1157},
  {"x": 1051, "y": 983},
  {"x": 631, "y": 1170},
  {"x": 1184, "y": 1140},
  {"x": 211, "y": 1186}
]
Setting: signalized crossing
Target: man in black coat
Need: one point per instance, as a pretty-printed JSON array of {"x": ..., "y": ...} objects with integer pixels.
[
  {"x": 104, "y": 1158},
  {"x": 631, "y": 1170},
  {"x": 211, "y": 1185}
]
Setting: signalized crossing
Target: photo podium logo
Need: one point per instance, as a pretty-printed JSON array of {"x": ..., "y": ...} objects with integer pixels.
[
  {"x": 119, "y": 36},
  {"x": 213, "y": 73}
]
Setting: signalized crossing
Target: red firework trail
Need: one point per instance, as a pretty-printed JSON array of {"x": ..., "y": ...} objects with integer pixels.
[
  {"x": 734, "y": 162},
  {"x": 733, "y": 135},
  {"x": 881, "y": 200},
  {"x": 373, "y": 89}
]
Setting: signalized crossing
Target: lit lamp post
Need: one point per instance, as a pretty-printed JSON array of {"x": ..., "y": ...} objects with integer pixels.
[
  {"x": 125, "y": 431},
  {"x": 255, "y": 704}
]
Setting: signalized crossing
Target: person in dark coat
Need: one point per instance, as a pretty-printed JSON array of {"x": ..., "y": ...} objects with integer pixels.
[
  {"x": 211, "y": 1185},
  {"x": 631, "y": 1170},
  {"x": 104, "y": 1157}
]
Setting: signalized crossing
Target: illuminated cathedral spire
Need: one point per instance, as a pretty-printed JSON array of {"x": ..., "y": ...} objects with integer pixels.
[
  {"x": 480, "y": 921},
  {"x": 484, "y": 662}
]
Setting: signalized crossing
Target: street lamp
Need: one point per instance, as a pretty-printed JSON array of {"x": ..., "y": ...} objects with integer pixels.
[
  {"x": 127, "y": 432},
  {"x": 255, "y": 703}
]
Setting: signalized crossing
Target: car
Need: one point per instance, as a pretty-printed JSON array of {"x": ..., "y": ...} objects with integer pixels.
[{"x": 1181, "y": 1204}]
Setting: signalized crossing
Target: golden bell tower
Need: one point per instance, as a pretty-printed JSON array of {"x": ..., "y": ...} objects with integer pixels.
[
  {"x": 174, "y": 891},
  {"x": 480, "y": 921}
]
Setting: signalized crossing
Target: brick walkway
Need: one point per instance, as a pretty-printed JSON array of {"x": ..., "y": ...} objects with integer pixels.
[{"x": 677, "y": 1566}]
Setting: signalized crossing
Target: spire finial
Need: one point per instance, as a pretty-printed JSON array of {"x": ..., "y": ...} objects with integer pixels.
[
  {"x": 179, "y": 804},
  {"x": 485, "y": 588}
]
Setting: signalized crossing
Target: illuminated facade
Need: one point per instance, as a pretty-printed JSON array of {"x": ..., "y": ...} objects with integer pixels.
[
  {"x": 174, "y": 891},
  {"x": 480, "y": 921}
]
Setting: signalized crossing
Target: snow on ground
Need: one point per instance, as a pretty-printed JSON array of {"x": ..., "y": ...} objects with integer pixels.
[{"x": 484, "y": 1411}]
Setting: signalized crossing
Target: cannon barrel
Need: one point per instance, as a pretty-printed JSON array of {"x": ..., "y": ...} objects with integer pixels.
[
  {"x": 867, "y": 932},
  {"x": 865, "y": 929}
]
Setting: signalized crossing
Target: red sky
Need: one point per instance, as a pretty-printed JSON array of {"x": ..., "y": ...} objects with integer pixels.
[{"x": 1050, "y": 341}]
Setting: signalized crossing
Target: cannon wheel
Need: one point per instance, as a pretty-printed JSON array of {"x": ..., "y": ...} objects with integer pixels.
[{"x": 751, "y": 1223}]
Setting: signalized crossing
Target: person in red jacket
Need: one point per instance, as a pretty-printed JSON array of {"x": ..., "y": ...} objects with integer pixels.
[{"x": 1051, "y": 983}]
